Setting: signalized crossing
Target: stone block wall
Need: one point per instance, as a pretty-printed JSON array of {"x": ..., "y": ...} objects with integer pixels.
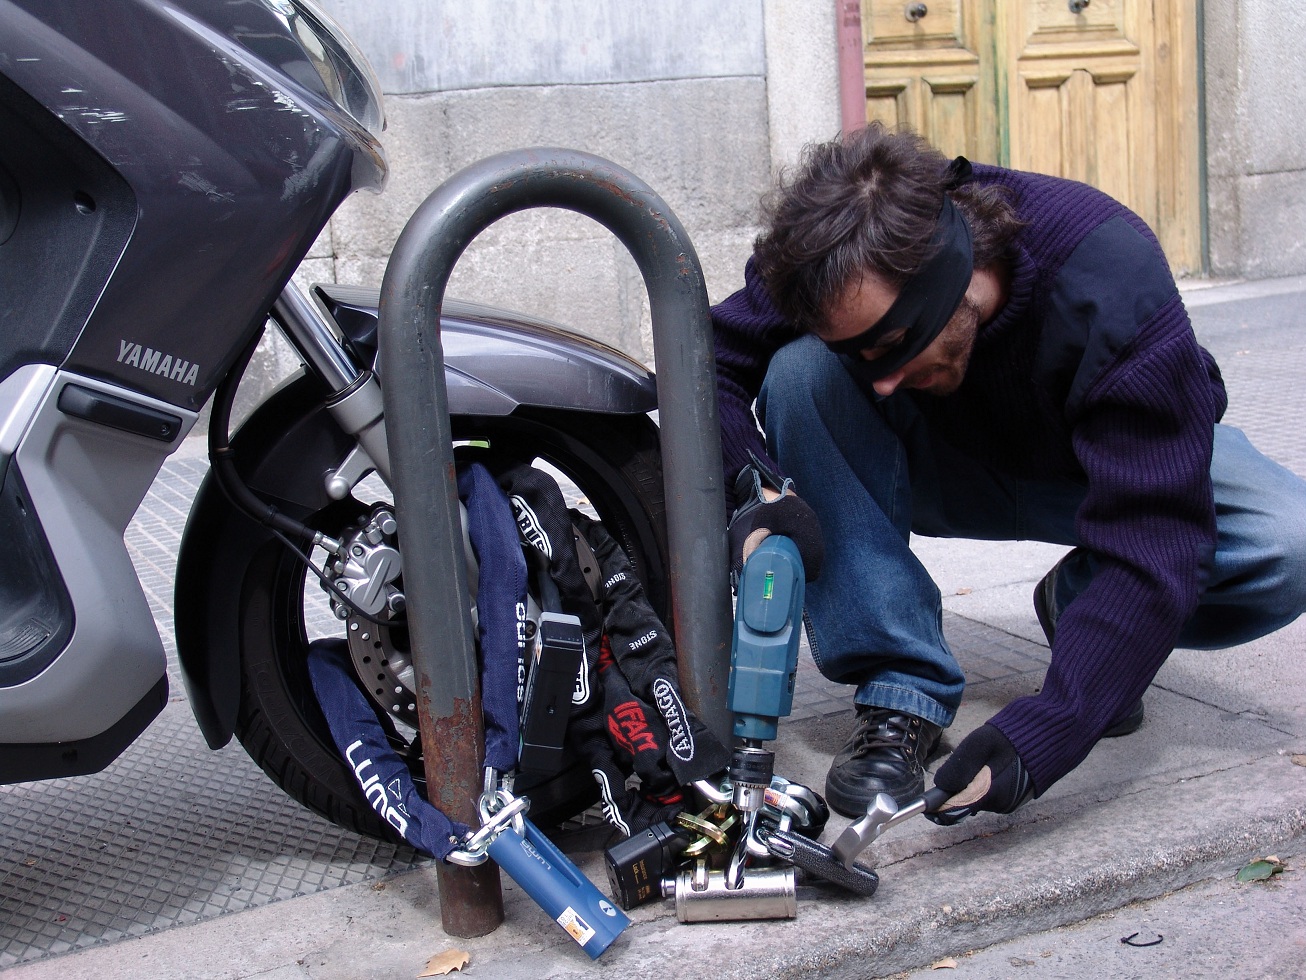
[
  {"x": 1255, "y": 58},
  {"x": 703, "y": 101},
  {"x": 675, "y": 92}
]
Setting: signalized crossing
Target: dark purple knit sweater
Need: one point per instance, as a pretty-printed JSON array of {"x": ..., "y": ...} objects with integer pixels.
[{"x": 1091, "y": 371}]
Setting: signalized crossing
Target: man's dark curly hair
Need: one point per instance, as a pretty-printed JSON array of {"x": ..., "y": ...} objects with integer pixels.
[{"x": 866, "y": 202}]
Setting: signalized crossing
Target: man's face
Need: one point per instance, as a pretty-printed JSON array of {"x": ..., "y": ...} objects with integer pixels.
[{"x": 938, "y": 370}]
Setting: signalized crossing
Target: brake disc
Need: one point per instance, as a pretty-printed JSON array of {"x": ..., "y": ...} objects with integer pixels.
[
  {"x": 384, "y": 666},
  {"x": 372, "y": 574}
]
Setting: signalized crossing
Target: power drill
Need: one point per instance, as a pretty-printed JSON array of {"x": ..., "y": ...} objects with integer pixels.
[
  {"x": 763, "y": 663},
  {"x": 763, "y": 667}
]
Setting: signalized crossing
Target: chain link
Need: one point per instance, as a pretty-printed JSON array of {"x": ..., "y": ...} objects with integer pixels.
[{"x": 498, "y": 810}]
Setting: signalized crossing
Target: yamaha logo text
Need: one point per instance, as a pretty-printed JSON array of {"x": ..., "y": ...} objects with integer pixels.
[{"x": 156, "y": 362}]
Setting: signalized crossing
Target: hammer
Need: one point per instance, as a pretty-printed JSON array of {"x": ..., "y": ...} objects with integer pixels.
[{"x": 882, "y": 814}]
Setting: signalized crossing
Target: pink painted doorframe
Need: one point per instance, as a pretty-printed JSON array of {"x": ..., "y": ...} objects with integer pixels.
[{"x": 852, "y": 69}]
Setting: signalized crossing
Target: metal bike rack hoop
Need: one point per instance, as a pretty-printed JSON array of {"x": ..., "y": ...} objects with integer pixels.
[{"x": 422, "y": 467}]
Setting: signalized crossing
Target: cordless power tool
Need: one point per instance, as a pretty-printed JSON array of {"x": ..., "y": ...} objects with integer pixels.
[{"x": 763, "y": 663}]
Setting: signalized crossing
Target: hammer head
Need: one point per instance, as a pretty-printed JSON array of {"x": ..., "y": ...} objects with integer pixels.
[{"x": 858, "y": 836}]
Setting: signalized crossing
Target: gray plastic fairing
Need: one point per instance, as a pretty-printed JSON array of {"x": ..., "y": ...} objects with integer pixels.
[
  {"x": 36, "y": 616},
  {"x": 66, "y": 218},
  {"x": 498, "y": 361},
  {"x": 84, "y": 482}
]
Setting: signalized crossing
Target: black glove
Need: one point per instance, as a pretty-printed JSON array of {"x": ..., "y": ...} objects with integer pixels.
[
  {"x": 766, "y": 504},
  {"x": 983, "y": 773}
]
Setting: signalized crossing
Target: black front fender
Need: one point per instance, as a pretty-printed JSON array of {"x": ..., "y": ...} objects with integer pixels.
[{"x": 282, "y": 451}]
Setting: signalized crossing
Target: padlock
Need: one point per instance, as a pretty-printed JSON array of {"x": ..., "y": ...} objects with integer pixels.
[
  {"x": 817, "y": 861},
  {"x": 559, "y": 647},
  {"x": 638, "y": 864},
  {"x": 559, "y": 887},
  {"x": 702, "y": 895}
]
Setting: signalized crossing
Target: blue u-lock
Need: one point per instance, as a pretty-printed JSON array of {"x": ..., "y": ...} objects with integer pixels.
[{"x": 559, "y": 887}]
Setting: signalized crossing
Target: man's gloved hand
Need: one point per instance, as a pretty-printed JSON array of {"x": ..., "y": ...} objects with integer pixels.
[
  {"x": 983, "y": 773},
  {"x": 766, "y": 504}
]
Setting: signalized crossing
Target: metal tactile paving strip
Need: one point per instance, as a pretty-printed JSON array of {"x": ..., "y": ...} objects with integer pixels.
[
  {"x": 1260, "y": 345},
  {"x": 1265, "y": 401},
  {"x": 172, "y": 832}
]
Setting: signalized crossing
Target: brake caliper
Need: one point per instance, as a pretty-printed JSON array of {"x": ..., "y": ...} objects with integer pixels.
[{"x": 367, "y": 568}]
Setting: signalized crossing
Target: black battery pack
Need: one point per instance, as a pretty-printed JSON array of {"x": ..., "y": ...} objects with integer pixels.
[
  {"x": 546, "y": 707},
  {"x": 637, "y": 865}
]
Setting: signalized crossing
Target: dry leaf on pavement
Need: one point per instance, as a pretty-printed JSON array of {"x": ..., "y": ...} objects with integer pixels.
[
  {"x": 947, "y": 963},
  {"x": 445, "y": 963}
]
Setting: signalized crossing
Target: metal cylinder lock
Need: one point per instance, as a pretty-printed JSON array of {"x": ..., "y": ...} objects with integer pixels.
[{"x": 702, "y": 896}]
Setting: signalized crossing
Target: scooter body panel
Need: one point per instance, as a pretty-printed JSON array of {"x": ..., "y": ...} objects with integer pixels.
[
  {"x": 164, "y": 167},
  {"x": 84, "y": 481},
  {"x": 228, "y": 166}
]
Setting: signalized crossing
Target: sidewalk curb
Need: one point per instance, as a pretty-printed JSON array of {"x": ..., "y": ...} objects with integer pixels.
[
  {"x": 1037, "y": 873},
  {"x": 943, "y": 892}
]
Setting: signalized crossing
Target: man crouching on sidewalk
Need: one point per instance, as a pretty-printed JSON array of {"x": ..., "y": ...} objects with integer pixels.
[{"x": 977, "y": 352}]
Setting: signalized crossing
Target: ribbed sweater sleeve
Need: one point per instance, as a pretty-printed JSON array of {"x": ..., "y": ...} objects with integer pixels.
[
  {"x": 1144, "y": 440},
  {"x": 747, "y": 330}
]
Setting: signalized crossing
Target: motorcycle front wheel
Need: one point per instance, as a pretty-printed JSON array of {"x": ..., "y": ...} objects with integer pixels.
[{"x": 614, "y": 466}]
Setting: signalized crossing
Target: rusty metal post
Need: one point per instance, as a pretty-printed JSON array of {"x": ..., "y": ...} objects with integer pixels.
[
  {"x": 446, "y": 677},
  {"x": 421, "y": 455}
]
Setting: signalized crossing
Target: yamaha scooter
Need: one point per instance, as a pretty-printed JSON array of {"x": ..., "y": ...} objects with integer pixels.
[{"x": 165, "y": 165}]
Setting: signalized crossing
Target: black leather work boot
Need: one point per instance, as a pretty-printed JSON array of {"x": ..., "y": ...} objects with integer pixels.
[
  {"x": 885, "y": 754},
  {"x": 1045, "y": 608}
]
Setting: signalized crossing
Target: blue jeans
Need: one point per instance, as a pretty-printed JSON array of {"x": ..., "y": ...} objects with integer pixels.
[{"x": 874, "y": 473}]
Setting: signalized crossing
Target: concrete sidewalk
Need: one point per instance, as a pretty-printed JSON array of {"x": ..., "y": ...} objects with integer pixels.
[{"x": 1206, "y": 785}]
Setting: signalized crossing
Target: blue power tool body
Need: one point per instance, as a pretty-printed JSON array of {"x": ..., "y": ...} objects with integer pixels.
[{"x": 763, "y": 660}]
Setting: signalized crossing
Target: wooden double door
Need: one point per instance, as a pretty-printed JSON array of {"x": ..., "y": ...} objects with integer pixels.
[{"x": 1103, "y": 91}]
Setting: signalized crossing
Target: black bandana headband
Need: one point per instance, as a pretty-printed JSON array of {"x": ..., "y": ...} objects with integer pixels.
[{"x": 926, "y": 303}]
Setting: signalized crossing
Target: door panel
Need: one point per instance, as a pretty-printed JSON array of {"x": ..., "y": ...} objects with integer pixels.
[
  {"x": 1081, "y": 123},
  {"x": 933, "y": 73},
  {"x": 887, "y": 25},
  {"x": 1082, "y": 95},
  {"x": 1053, "y": 22},
  {"x": 1106, "y": 94}
]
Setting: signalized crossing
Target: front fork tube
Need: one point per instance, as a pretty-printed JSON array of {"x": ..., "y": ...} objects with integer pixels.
[{"x": 355, "y": 403}]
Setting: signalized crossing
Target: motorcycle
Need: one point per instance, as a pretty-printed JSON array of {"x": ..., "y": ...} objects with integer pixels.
[{"x": 165, "y": 165}]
